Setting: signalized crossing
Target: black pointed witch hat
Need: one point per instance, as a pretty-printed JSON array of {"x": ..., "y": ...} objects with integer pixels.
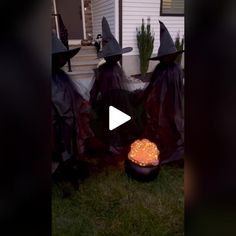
[
  {"x": 167, "y": 46},
  {"x": 60, "y": 54},
  {"x": 110, "y": 46}
]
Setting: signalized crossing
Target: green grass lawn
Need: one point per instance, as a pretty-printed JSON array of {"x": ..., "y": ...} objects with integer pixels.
[{"x": 109, "y": 203}]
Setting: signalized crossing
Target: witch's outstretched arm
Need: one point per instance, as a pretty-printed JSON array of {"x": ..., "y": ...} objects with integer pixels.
[{"x": 94, "y": 92}]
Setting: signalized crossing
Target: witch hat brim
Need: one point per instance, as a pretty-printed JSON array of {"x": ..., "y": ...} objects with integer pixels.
[
  {"x": 103, "y": 54},
  {"x": 61, "y": 58},
  {"x": 167, "y": 46},
  {"x": 60, "y": 54},
  {"x": 110, "y": 46},
  {"x": 159, "y": 57}
]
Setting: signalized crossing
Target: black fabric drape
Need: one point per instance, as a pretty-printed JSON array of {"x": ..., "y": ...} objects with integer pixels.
[{"x": 164, "y": 107}]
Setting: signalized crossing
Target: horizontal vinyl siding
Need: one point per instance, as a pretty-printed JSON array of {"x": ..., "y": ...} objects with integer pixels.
[
  {"x": 135, "y": 10},
  {"x": 102, "y": 8}
]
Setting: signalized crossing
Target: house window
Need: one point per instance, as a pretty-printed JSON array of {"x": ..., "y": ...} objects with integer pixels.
[{"x": 172, "y": 7}]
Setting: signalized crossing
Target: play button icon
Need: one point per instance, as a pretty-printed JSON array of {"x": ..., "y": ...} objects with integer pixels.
[{"x": 117, "y": 118}]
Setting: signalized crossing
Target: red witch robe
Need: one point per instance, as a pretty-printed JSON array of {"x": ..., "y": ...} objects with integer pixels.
[{"x": 164, "y": 111}]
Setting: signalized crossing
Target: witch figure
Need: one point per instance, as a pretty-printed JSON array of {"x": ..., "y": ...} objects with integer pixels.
[
  {"x": 70, "y": 118},
  {"x": 164, "y": 101},
  {"x": 109, "y": 90}
]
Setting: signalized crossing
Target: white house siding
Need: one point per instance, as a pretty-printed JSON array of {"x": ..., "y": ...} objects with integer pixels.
[
  {"x": 109, "y": 9},
  {"x": 133, "y": 13}
]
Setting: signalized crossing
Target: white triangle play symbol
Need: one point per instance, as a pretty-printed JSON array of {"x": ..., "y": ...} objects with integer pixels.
[{"x": 116, "y": 118}]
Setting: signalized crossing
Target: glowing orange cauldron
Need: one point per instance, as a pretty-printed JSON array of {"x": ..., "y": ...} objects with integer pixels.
[{"x": 143, "y": 160}]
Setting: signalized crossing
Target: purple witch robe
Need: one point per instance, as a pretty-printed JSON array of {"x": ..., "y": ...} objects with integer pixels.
[
  {"x": 70, "y": 118},
  {"x": 109, "y": 90}
]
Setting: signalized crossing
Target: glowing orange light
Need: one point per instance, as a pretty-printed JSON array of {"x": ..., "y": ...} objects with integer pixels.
[{"x": 144, "y": 153}]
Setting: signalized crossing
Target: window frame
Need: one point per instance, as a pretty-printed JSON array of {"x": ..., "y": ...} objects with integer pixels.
[{"x": 168, "y": 14}]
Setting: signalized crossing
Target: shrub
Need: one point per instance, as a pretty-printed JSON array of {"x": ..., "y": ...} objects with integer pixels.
[
  {"x": 145, "y": 40},
  {"x": 179, "y": 44}
]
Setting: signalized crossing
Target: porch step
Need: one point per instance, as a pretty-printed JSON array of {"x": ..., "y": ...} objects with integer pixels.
[
  {"x": 84, "y": 75},
  {"x": 84, "y": 49},
  {"x": 82, "y": 65},
  {"x": 85, "y": 57}
]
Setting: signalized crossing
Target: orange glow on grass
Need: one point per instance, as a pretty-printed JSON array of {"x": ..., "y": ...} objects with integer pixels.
[{"x": 144, "y": 153}]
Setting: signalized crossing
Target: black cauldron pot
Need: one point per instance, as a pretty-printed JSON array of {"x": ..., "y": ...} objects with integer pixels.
[{"x": 141, "y": 173}]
